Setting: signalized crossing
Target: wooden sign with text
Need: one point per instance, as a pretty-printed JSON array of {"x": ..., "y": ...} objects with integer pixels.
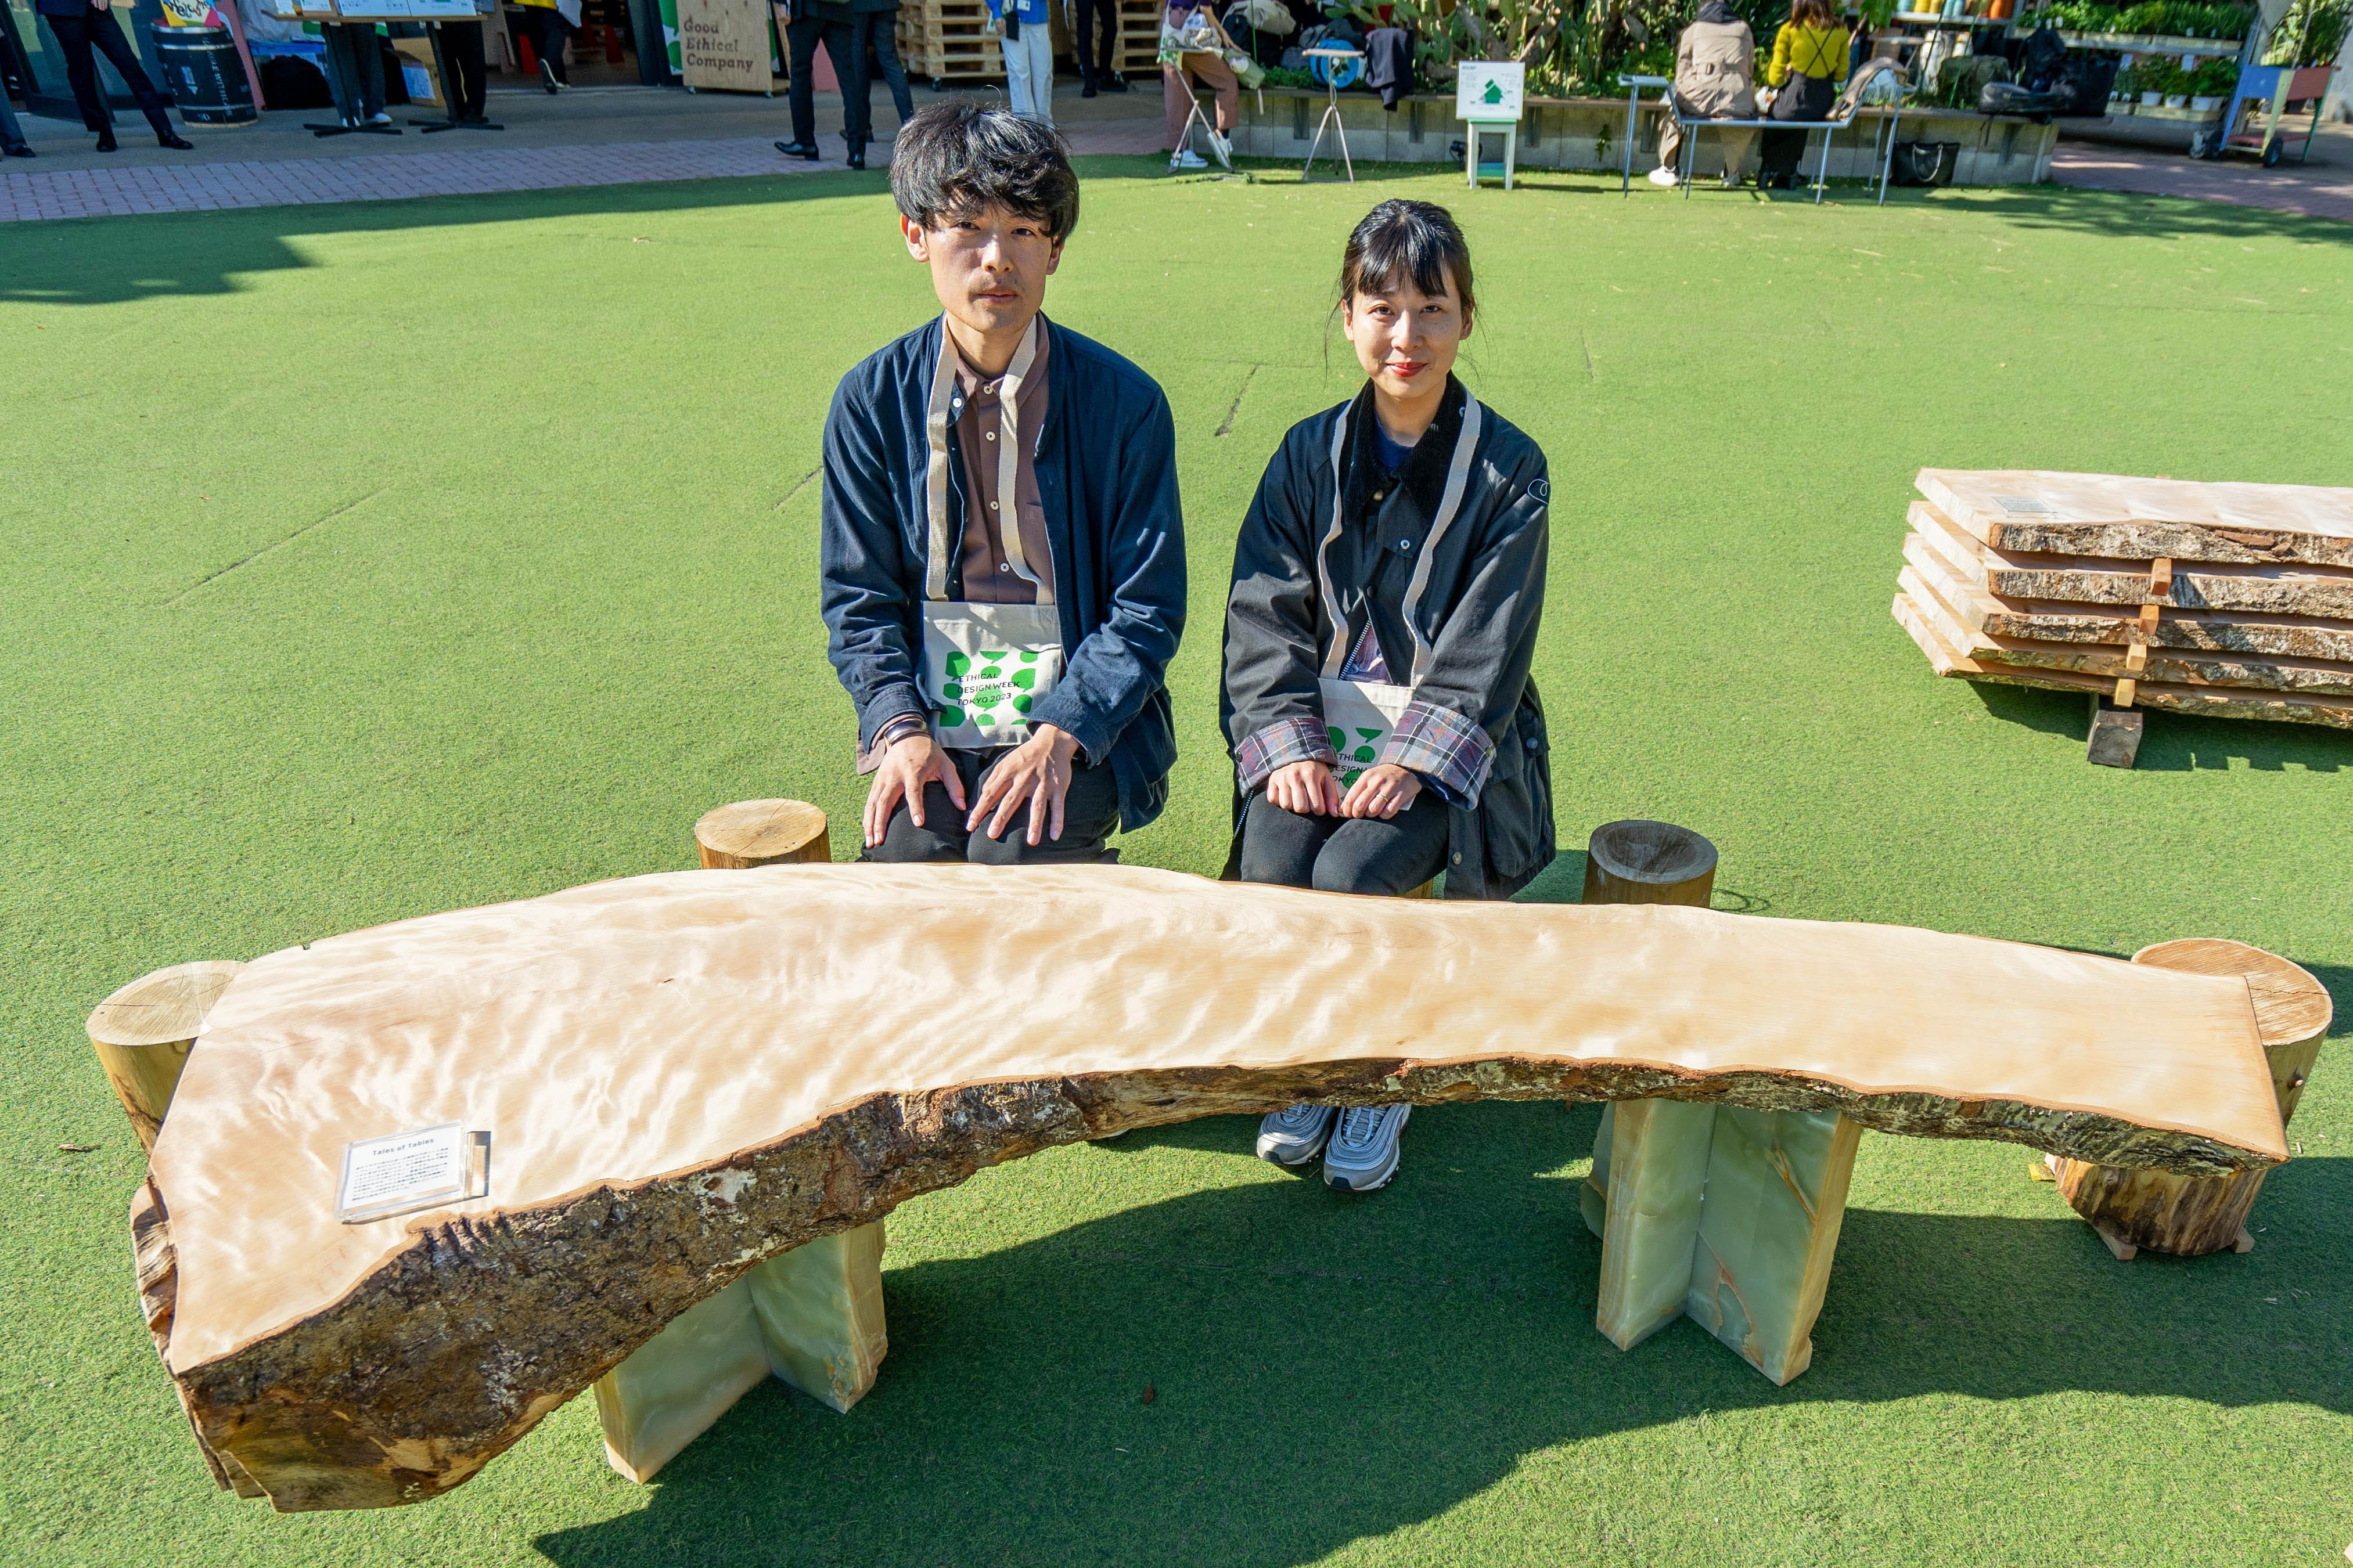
[{"x": 723, "y": 44}]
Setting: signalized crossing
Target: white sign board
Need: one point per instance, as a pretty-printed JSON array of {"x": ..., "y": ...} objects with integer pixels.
[
  {"x": 1488, "y": 91},
  {"x": 404, "y": 1171}
]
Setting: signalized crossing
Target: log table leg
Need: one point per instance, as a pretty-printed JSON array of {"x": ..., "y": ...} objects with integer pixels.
[
  {"x": 143, "y": 1035},
  {"x": 2192, "y": 1215},
  {"x": 811, "y": 1317}
]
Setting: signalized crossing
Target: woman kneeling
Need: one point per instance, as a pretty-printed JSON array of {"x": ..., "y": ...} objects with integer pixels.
[{"x": 1388, "y": 585}]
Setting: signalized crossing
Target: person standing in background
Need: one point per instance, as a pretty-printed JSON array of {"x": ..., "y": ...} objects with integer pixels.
[
  {"x": 468, "y": 94},
  {"x": 84, "y": 28},
  {"x": 551, "y": 28},
  {"x": 808, "y": 22},
  {"x": 1025, "y": 29},
  {"x": 877, "y": 27},
  {"x": 1094, "y": 36},
  {"x": 1809, "y": 63},
  {"x": 355, "y": 72},
  {"x": 12, "y": 135}
]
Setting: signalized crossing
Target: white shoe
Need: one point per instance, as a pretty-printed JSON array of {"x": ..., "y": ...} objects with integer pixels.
[
  {"x": 1223, "y": 146},
  {"x": 1664, "y": 176},
  {"x": 1185, "y": 161},
  {"x": 379, "y": 117}
]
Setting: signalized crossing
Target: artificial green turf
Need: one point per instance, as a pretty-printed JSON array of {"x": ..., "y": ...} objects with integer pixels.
[{"x": 368, "y": 561}]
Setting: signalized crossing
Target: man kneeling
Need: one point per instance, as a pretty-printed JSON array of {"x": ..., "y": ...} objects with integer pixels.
[{"x": 1003, "y": 555}]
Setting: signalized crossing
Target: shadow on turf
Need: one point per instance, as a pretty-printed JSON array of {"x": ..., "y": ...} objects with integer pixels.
[
  {"x": 1326, "y": 1369},
  {"x": 2179, "y": 742}
]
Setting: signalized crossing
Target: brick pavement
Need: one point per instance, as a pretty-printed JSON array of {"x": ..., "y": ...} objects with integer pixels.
[
  {"x": 151, "y": 185},
  {"x": 2322, "y": 188}
]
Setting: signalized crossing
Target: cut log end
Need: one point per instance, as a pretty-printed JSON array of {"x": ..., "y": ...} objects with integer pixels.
[
  {"x": 1641, "y": 862},
  {"x": 143, "y": 1035},
  {"x": 2114, "y": 740},
  {"x": 749, "y": 833}
]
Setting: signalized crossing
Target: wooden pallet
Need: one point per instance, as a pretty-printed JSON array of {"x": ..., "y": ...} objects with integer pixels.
[{"x": 948, "y": 40}]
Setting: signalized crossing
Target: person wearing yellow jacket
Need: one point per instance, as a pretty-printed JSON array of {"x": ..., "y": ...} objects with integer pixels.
[{"x": 1809, "y": 65}]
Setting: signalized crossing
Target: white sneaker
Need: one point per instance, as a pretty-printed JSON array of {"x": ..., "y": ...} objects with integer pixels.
[
  {"x": 1295, "y": 1135},
  {"x": 1362, "y": 1156},
  {"x": 1185, "y": 161},
  {"x": 379, "y": 117},
  {"x": 1223, "y": 146},
  {"x": 1664, "y": 176}
]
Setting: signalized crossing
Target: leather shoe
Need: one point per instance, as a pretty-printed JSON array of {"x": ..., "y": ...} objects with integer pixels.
[
  {"x": 1117, "y": 84},
  {"x": 177, "y": 144},
  {"x": 18, "y": 150},
  {"x": 1089, "y": 90},
  {"x": 106, "y": 142},
  {"x": 798, "y": 150},
  {"x": 857, "y": 158}
]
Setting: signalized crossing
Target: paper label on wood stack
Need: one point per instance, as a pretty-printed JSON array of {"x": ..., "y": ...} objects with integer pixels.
[{"x": 401, "y": 1172}]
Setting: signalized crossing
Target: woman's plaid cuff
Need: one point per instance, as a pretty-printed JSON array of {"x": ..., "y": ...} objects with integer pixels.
[
  {"x": 1280, "y": 744},
  {"x": 1444, "y": 747}
]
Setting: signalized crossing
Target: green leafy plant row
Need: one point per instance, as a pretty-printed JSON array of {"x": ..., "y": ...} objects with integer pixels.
[{"x": 2167, "y": 18}]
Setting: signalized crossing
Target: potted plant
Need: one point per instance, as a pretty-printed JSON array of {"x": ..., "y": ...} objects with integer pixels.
[{"x": 2210, "y": 83}]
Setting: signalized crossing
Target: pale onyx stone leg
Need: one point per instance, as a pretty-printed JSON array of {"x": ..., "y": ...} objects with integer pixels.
[
  {"x": 812, "y": 1317},
  {"x": 820, "y": 1311},
  {"x": 1658, "y": 1175},
  {"x": 1776, "y": 1184},
  {"x": 677, "y": 1383},
  {"x": 1594, "y": 1197}
]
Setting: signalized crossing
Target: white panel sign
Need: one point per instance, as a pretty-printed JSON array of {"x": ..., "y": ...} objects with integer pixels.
[
  {"x": 403, "y": 1171},
  {"x": 1488, "y": 91}
]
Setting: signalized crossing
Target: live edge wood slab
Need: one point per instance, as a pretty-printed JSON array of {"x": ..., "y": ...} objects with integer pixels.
[{"x": 686, "y": 1075}]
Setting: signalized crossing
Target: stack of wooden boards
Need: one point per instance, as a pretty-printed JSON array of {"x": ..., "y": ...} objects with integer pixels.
[
  {"x": 2228, "y": 600},
  {"x": 946, "y": 40}
]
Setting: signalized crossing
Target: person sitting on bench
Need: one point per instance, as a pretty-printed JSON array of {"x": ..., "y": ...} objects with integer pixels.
[
  {"x": 1809, "y": 63},
  {"x": 1715, "y": 79},
  {"x": 1388, "y": 585},
  {"x": 1002, "y": 553}
]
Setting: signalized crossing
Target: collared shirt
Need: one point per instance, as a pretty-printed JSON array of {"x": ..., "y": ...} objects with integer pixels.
[{"x": 988, "y": 576}]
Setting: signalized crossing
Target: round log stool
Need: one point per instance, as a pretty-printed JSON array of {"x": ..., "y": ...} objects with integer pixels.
[
  {"x": 1637, "y": 862},
  {"x": 2192, "y": 1215},
  {"x": 761, "y": 833},
  {"x": 144, "y": 1034}
]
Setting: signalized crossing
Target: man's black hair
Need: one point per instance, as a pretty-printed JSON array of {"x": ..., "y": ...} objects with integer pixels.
[{"x": 957, "y": 157}]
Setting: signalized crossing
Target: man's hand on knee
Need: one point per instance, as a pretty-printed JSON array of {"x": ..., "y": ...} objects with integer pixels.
[
  {"x": 1035, "y": 773},
  {"x": 909, "y": 763}
]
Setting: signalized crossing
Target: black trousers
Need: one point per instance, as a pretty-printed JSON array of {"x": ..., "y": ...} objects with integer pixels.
[
  {"x": 550, "y": 33},
  {"x": 1802, "y": 96},
  {"x": 1098, "y": 40},
  {"x": 1089, "y": 816},
  {"x": 461, "y": 46},
  {"x": 78, "y": 37},
  {"x": 11, "y": 133},
  {"x": 879, "y": 30},
  {"x": 1344, "y": 855},
  {"x": 354, "y": 68},
  {"x": 840, "y": 39}
]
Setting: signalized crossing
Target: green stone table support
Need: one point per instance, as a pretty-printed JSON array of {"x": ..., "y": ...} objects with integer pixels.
[
  {"x": 1725, "y": 1214},
  {"x": 812, "y": 1317}
]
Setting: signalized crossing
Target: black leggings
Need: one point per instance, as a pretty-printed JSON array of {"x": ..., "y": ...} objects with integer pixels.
[
  {"x": 76, "y": 37},
  {"x": 1344, "y": 855},
  {"x": 1097, "y": 25}
]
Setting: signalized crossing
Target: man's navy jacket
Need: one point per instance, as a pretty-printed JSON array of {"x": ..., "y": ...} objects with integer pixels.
[{"x": 1106, "y": 467}]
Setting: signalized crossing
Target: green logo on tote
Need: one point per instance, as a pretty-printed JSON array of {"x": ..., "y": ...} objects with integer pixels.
[
  {"x": 1362, "y": 756},
  {"x": 993, "y": 687}
]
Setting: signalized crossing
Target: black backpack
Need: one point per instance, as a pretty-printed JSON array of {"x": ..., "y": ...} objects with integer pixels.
[{"x": 2046, "y": 53}]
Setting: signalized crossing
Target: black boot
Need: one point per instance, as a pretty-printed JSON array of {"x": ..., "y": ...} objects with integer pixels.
[{"x": 106, "y": 142}]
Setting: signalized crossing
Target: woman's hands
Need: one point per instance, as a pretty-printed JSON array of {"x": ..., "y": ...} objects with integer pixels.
[
  {"x": 1381, "y": 792},
  {"x": 1304, "y": 789},
  {"x": 1035, "y": 774},
  {"x": 909, "y": 763},
  {"x": 1312, "y": 789}
]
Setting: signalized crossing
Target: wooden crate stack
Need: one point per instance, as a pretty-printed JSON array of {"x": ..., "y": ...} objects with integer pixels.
[
  {"x": 2231, "y": 601},
  {"x": 1137, "y": 57},
  {"x": 946, "y": 40}
]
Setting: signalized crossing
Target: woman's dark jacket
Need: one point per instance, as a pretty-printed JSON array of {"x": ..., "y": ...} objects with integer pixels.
[
  {"x": 1475, "y": 726},
  {"x": 1106, "y": 467}
]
